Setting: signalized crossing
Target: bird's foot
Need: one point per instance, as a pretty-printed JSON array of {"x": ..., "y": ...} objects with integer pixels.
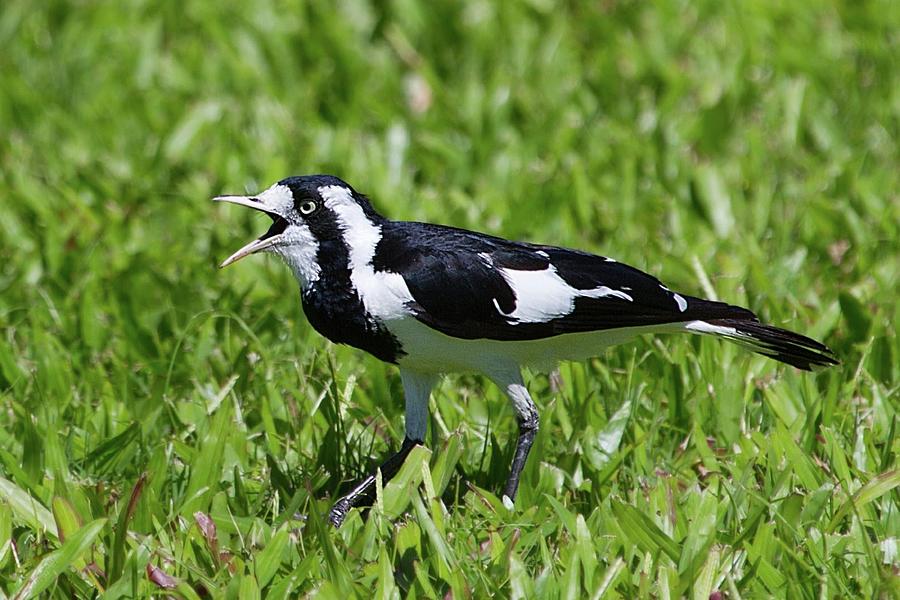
[
  {"x": 363, "y": 494},
  {"x": 339, "y": 511}
]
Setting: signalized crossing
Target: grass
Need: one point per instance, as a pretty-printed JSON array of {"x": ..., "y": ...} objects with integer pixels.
[{"x": 168, "y": 428}]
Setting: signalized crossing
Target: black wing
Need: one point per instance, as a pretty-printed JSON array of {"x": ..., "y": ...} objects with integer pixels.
[{"x": 461, "y": 285}]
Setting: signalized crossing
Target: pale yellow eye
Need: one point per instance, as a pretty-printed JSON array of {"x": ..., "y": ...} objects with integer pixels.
[{"x": 308, "y": 207}]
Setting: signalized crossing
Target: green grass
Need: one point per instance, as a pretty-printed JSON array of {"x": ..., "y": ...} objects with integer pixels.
[{"x": 168, "y": 428}]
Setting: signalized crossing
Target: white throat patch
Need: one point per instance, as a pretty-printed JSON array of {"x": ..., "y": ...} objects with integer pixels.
[
  {"x": 298, "y": 246},
  {"x": 298, "y": 249}
]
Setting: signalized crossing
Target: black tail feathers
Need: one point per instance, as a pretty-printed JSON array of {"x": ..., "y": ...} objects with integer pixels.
[{"x": 780, "y": 344}]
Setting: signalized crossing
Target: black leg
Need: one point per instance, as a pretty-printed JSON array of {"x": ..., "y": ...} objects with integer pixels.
[
  {"x": 528, "y": 428},
  {"x": 363, "y": 493}
]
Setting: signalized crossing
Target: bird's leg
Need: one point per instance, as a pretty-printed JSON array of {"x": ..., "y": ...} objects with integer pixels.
[
  {"x": 527, "y": 417},
  {"x": 417, "y": 389},
  {"x": 363, "y": 493}
]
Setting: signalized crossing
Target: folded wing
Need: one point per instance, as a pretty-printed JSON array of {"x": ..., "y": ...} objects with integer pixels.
[{"x": 479, "y": 287}]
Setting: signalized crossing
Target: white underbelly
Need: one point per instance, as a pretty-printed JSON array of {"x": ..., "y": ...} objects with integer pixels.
[{"x": 432, "y": 351}]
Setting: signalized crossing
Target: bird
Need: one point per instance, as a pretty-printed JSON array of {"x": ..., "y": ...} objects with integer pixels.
[{"x": 434, "y": 299}]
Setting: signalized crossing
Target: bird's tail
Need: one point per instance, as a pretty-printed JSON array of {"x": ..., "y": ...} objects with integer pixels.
[{"x": 782, "y": 345}]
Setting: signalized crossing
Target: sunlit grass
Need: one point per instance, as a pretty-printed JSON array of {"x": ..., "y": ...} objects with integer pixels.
[{"x": 170, "y": 428}]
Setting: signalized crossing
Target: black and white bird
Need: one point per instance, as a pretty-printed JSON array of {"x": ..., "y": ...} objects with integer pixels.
[{"x": 434, "y": 299}]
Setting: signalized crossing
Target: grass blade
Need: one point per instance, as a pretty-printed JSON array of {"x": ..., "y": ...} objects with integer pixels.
[
  {"x": 269, "y": 560},
  {"x": 872, "y": 490},
  {"x": 57, "y": 562},
  {"x": 641, "y": 530},
  {"x": 27, "y": 508}
]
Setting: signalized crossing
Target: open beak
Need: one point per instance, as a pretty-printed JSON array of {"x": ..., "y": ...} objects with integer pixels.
[{"x": 266, "y": 240}]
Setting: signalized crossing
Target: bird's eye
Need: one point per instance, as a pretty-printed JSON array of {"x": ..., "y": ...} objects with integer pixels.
[{"x": 308, "y": 207}]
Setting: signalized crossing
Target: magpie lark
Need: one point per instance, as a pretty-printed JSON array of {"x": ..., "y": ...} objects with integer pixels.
[{"x": 434, "y": 299}]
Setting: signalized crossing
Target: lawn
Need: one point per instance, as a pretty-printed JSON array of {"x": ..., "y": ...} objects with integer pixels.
[{"x": 171, "y": 429}]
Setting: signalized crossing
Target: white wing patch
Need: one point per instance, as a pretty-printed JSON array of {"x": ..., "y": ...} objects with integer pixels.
[
  {"x": 486, "y": 259},
  {"x": 385, "y": 295},
  {"x": 540, "y": 295},
  {"x": 679, "y": 299},
  {"x": 543, "y": 295},
  {"x": 603, "y": 291}
]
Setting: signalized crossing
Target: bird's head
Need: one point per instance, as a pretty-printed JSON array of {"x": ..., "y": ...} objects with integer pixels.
[{"x": 305, "y": 211}]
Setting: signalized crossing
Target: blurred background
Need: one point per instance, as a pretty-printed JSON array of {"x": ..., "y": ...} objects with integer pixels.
[{"x": 744, "y": 150}]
